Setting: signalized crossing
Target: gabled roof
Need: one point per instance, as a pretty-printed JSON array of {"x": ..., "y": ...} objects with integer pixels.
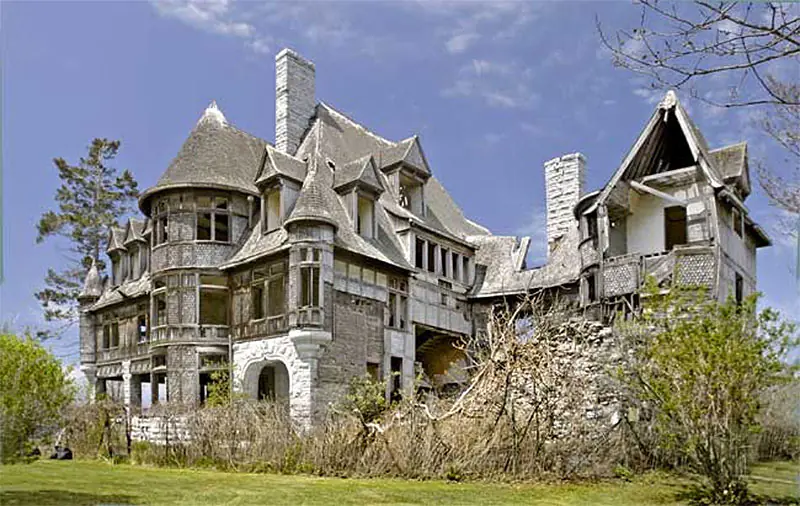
[
  {"x": 278, "y": 163},
  {"x": 134, "y": 231},
  {"x": 697, "y": 145},
  {"x": 215, "y": 155},
  {"x": 731, "y": 161},
  {"x": 360, "y": 171},
  {"x": 130, "y": 289},
  {"x": 409, "y": 152},
  {"x": 116, "y": 239}
]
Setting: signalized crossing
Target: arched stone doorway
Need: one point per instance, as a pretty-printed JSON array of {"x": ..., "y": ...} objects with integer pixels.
[{"x": 268, "y": 380}]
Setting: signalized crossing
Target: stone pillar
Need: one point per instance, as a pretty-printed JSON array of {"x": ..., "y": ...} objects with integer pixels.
[
  {"x": 294, "y": 99},
  {"x": 564, "y": 181},
  {"x": 127, "y": 378}
]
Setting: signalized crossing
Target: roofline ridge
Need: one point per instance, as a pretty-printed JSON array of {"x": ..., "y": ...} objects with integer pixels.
[{"x": 356, "y": 124}]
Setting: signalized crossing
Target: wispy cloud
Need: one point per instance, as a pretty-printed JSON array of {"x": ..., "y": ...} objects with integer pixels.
[
  {"x": 459, "y": 42},
  {"x": 497, "y": 84},
  {"x": 214, "y": 16}
]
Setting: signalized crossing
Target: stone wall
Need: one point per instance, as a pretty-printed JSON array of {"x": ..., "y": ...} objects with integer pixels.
[{"x": 183, "y": 380}]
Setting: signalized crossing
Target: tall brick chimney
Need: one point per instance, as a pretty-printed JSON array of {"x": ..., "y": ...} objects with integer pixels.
[
  {"x": 565, "y": 177},
  {"x": 294, "y": 99}
]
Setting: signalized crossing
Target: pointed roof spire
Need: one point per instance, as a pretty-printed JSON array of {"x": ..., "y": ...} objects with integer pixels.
[
  {"x": 213, "y": 113},
  {"x": 313, "y": 202},
  {"x": 669, "y": 101},
  {"x": 92, "y": 286}
]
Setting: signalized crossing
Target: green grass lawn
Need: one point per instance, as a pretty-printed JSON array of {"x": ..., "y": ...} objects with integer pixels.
[{"x": 85, "y": 482}]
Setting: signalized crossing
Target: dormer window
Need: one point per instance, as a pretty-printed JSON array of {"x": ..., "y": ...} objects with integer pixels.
[
  {"x": 365, "y": 217},
  {"x": 411, "y": 193}
]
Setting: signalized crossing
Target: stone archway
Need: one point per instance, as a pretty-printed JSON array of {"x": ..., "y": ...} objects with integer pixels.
[{"x": 267, "y": 380}]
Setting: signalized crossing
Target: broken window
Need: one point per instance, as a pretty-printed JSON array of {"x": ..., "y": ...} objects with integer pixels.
[
  {"x": 465, "y": 269},
  {"x": 419, "y": 260},
  {"x": 365, "y": 219},
  {"x": 397, "y": 314},
  {"x": 213, "y": 306},
  {"x": 141, "y": 328},
  {"x": 257, "y": 300},
  {"x": 106, "y": 336},
  {"x": 213, "y": 219},
  {"x": 456, "y": 266},
  {"x": 674, "y": 226},
  {"x": 161, "y": 219}
]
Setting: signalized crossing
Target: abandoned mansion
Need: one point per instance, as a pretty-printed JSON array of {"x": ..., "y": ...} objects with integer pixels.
[{"x": 336, "y": 253}]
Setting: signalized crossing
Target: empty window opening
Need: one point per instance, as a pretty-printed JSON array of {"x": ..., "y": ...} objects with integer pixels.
[
  {"x": 419, "y": 260},
  {"x": 674, "y": 226},
  {"x": 213, "y": 306},
  {"x": 431, "y": 257},
  {"x": 365, "y": 220},
  {"x": 258, "y": 301},
  {"x": 739, "y": 289},
  {"x": 141, "y": 327},
  {"x": 444, "y": 254},
  {"x": 465, "y": 269},
  {"x": 591, "y": 288},
  {"x": 396, "y": 382},
  {"x": 397, "y": 313},
  {"x": 373, "y": 371},
  {"x": 737, "y": 221},
  {"x": 456, "y": 266}
]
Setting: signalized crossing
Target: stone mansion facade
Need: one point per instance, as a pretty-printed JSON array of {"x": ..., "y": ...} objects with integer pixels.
[{"x": 335, "y": 252}]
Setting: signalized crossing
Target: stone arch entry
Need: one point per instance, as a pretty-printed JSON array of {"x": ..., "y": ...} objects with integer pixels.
[{"x": 268, "y": 380}]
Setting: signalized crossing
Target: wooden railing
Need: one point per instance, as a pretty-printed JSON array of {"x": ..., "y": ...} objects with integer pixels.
[{"x": 686, "y": 265}]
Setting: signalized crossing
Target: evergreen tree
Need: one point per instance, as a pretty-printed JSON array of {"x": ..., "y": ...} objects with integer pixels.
[{"x": 92, "y": 197}]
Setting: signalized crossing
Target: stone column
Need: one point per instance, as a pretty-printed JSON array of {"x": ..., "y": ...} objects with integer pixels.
[{"x": 126, "y": 382}]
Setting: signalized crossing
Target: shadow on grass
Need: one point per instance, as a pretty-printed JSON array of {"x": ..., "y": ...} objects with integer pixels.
[{"x": 59, "y": 497}]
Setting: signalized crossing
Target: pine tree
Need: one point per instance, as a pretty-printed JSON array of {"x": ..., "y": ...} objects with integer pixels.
[{"x": 92, "y": 198}]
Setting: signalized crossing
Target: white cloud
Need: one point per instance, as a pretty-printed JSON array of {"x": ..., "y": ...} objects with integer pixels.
[
  {"x": 460, "y": 42},
  {"x": 497, "y": 84},
  {"x": 214, "y": 16}
]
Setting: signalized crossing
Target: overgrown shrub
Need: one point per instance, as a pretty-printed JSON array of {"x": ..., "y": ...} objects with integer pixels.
[
  {"x": 702, "y": 369},
  {"x": 33, "y": 393}
]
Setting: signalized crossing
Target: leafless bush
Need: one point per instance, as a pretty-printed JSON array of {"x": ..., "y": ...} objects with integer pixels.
[{"x": 540, "y": 402}]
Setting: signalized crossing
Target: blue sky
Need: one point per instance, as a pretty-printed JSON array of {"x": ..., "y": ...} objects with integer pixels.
[{"x": 494, "y": 90}]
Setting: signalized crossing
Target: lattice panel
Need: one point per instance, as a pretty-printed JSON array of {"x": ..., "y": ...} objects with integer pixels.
[
  {"x": 621, "y": 279},
  {"x": 695, "y": 270}
]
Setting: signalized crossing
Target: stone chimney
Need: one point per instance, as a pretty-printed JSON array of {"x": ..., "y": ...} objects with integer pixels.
[
  {"x": 294, "y": 99},
  {"x": 564, "y": 177}
]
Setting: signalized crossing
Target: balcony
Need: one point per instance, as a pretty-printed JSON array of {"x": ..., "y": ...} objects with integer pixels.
[
  {"x": 693, "y": 266},
  {"x": 189, "y": 333},
  {"x": 123, "y": 353}
]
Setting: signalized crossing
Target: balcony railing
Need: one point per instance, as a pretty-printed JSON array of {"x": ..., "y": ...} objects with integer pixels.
[
  {"x": 684, "y": 265},
  {"x": 189, "y": 333}
]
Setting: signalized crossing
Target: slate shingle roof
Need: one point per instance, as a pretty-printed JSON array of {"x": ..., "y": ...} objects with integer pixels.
[
  {"x": 215, "y": 155},
  {"x": 116, "y": 239},
  {"x": 278, "y": 163},
  {"x": 361, "y": 170},
  {"x": 128, "y": 290},
  {"x": 731, "y": 162},
  {"x": 92, "y": 285}
]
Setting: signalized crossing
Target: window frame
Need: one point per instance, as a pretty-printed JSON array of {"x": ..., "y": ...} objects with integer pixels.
[
  {"x": 213, "y": 210},
  {"x": 161, "y": 221},
  {"x": 310, "y": 261},
  {"x": 397, "y": 303}
]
